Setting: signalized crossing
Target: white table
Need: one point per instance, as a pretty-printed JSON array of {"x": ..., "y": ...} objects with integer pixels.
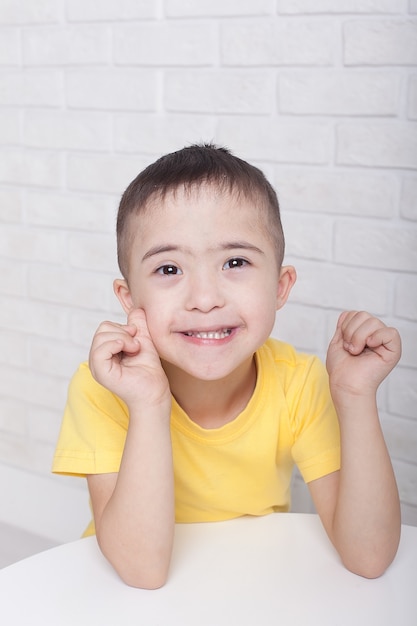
[{"x": 279, "y": 569}]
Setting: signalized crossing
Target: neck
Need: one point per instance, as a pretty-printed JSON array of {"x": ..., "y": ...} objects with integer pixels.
[{"x": 213, "y": 403}]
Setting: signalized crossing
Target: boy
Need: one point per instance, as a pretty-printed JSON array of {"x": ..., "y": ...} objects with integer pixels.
[{"x": 190, "y": 412}]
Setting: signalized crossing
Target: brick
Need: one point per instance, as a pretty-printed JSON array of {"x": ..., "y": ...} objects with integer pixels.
[
  {"x": 338, "y": 6},
  {"x": 66, "y": 45},
  {"x": 27, "y": 11},
  {"x": 93, "y": 252},
  {"x": 26, "y": 455},
  {"x": 412, "y": 98},
  {"x": 403, "y": 392},
  {"x": 213, "y": 8},
  {"x": 408, "y": 514},
  {"x": 166, "y": 43},
  {"x": 13, "y": 416},
  {"x": 401, "y": 437},
  {"x": 52, "y": 363},
  {"x": 87, "y": 290},
  {"x": 408, "y": 204},
  {"x": 222, "y": 91},
  {"x": 301, "y": 326},
  {"x": 13, "y": 380},
  {"x": 108, "y": 10},
  {"x": 281, "y": 42},
  {"x": 159, "y": 134},
  {"x": 367, "y": 245},
  {"x": 13, "y": 451},
  {"x": 261, "y": 138},
  {"x": 114, "y": 89},
  {"x": 67, "y": 130},
  {"x": 11, "y": 205},
  {"x": 14, "y": 348},
  {"x": 337, "y": 193},
  {"x": 47, "y": 391},
  {"x": 9, "y": 47},
  {"x": 30, "y": 167},
  {"x": 308, "y": 236},
  {"x": 71, "y": 211},
  {"x": 108, "y": 174},
  {"x": 9, "y": 127},
  {"x": 340, "y": 287},
  {"x": 84, "y": 324},
  {"x": 380, "y": 42},
  {"x": 32, "y": 245},
  {"x": 33, "y": 317},
  {"x": 44, "y": 424},
  {"x": 339, "y": 93},
  {"x": 14, "y": 277},
  {"x": 383, "y": 144},
  {"x": 406, "y": 475},
  {"x": 31, "y": 88},
  {"x": 408, "y": 334},
  {"x": 406, "y": 297},
  {"x": 115, "y": 310},
  {"x": 77, "y": 124}
]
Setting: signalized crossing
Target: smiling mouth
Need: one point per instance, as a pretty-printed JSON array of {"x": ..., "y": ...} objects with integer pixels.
[{"x": 210, "y": 334}]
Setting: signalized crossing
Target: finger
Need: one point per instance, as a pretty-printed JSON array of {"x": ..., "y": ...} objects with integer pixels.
[
  {"x": 351, "y": 320},
  {"x": 357, "y": 329},
  {"x": 108, "y": 345},
  {"x": 111, "y": 333},
  {"x": 387, "y": 338},
  {"x": 337, "y": 337},
  {"x": 343, "y": 317},
  {"x": 106, "y": 327},
  {"x": 137, "y": 318}
]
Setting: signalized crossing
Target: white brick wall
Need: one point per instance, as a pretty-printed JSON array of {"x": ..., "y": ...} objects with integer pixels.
[{"x": 322, "y": 94}]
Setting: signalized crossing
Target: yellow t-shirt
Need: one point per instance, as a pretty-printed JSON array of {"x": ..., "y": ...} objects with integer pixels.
[{"x": 242, "y": 468}]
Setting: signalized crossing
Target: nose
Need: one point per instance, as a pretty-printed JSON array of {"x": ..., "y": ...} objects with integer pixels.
[{"x": 204, "y": 291}]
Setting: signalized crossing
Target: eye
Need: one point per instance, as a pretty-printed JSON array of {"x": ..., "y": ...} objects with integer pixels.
[
  {"x": 169, "y": 270},
  {"x": 235, "y": 263}
]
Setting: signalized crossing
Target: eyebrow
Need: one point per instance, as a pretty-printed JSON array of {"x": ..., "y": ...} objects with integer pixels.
[{"x": 227, "y": 245}]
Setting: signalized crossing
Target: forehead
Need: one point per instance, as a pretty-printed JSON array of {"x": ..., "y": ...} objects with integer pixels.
[
  {"x": 196, "y": 206},
  {"x": 201, "y": 216},
  {"x": 189, "y": 210}
]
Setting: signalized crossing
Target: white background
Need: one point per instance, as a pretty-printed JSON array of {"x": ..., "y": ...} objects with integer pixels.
[{"x": 321, "y": 94}]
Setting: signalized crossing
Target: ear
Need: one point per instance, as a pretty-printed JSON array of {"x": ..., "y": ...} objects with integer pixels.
[
  {"x": 122, "y": 291},
  {"x": 287, "y": 278}
]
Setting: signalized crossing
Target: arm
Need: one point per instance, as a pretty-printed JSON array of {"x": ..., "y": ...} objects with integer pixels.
[
  {"x": 134, "y": 509},
  {"x": 359, "y": 505}
]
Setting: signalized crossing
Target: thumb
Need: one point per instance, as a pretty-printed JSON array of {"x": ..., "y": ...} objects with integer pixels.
[
  {"x": 338, "y": 331},
  {"x": 137, "y": 318}
]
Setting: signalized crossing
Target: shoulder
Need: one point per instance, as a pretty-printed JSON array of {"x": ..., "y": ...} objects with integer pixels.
[
  {"x": 284, "y": 355},
  {"x": 293, "y": 369},
  {"x": 83, "y": 382},
  {"x": 84, "y": 390}
]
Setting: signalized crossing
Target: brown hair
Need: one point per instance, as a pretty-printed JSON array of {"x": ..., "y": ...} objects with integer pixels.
[{"x": 191, "y": 166}]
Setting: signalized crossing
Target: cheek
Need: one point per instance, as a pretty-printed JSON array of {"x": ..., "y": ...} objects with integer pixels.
[
  {"x": 142, "y": 297},
  {"x": 264, "y": 306},
  {"x": 263, "y": 296},
  {"x": 155, "y": 320}
]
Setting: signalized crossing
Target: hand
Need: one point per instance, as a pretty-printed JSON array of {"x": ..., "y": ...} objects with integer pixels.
[
  {"x": 124, "y": 360},
  {"x": 361, "y": 354}
]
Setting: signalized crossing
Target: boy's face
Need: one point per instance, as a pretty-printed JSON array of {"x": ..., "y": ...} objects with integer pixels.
[{"x": 204, "y": 269}]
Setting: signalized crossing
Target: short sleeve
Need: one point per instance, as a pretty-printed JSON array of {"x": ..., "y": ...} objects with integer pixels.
[
  {"x": 93, "y": 430},
  {"x": 314, "y": 422}
]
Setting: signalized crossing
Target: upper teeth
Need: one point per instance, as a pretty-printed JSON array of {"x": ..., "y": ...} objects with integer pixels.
[{"x": 212, "y": 334}]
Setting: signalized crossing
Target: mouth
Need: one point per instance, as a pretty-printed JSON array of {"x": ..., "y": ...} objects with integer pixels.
[{"x": 221, "y": 333}]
